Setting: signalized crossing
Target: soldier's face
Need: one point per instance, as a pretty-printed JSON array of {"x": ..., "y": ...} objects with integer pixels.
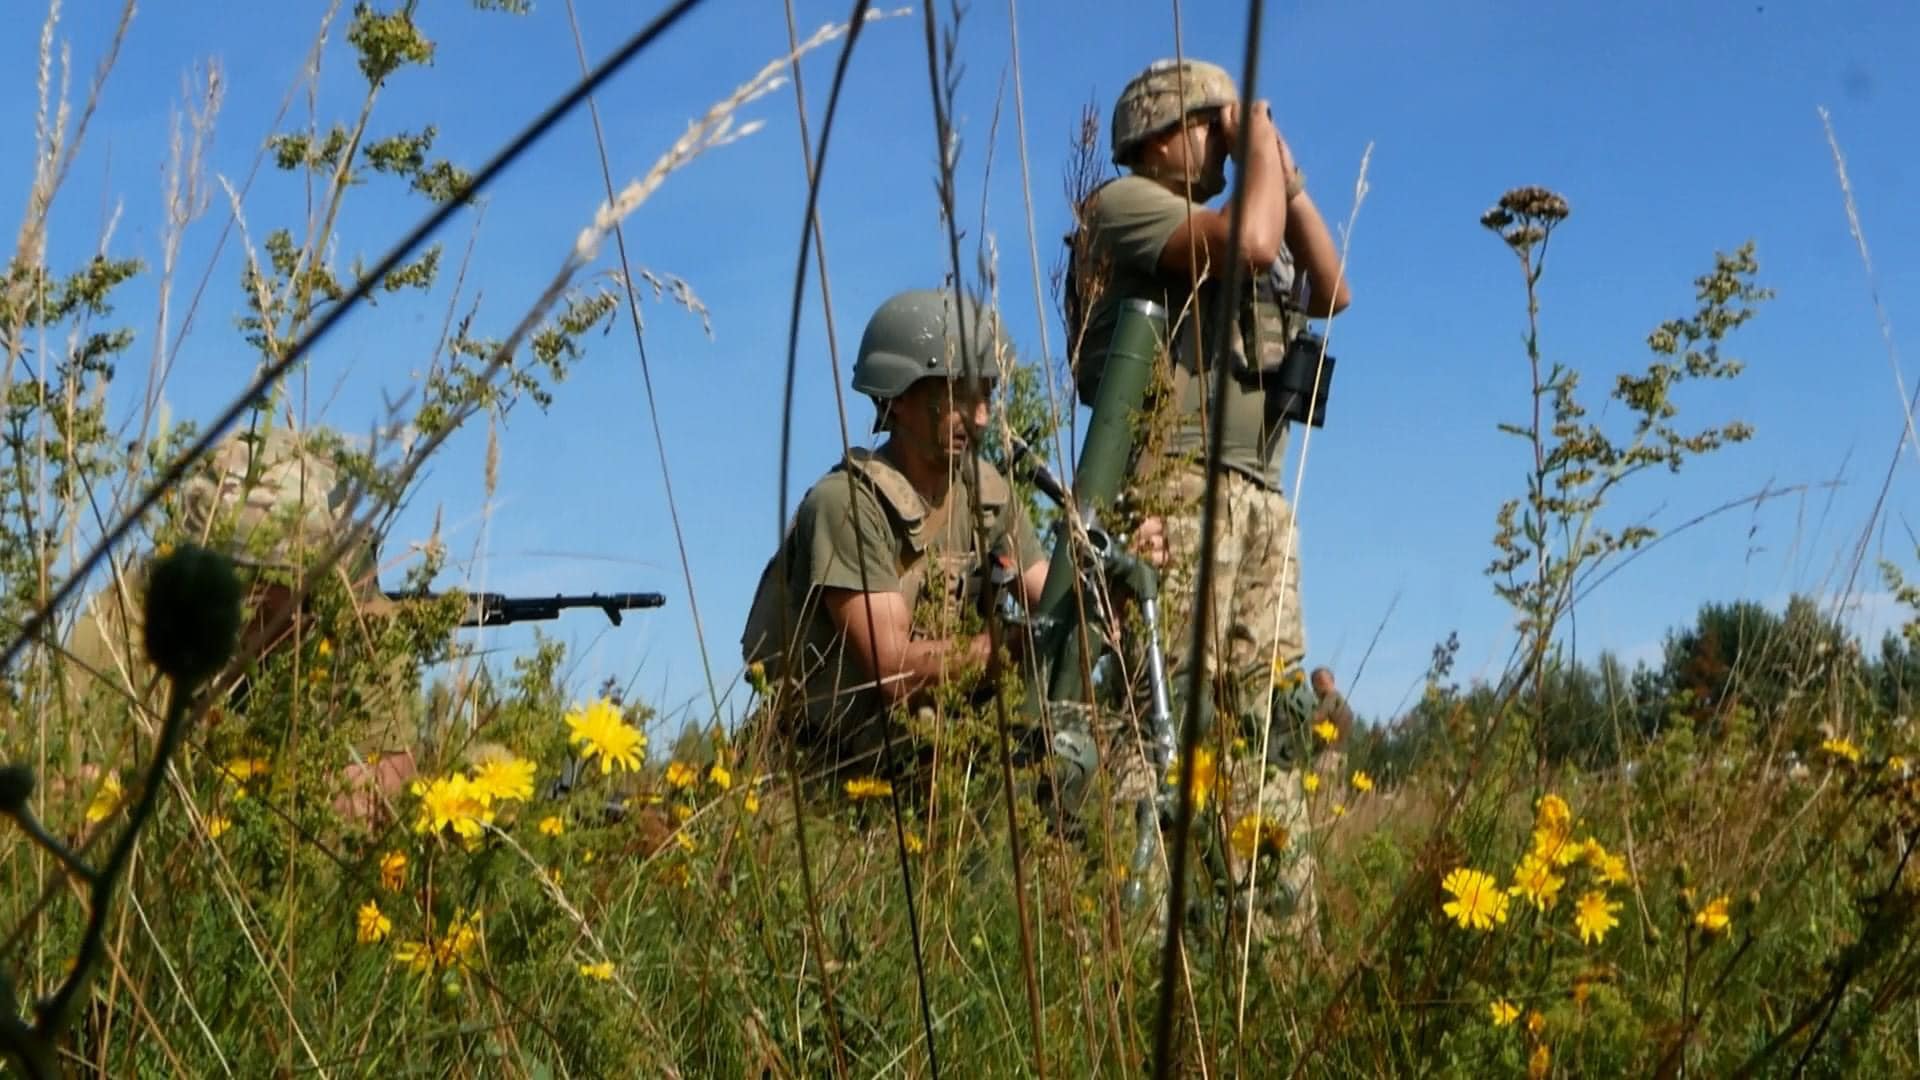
[
  {"x": 942, "y": 417},
  {"x": 1210, "y": 162},
  {"x": 1198, "y": 149}
]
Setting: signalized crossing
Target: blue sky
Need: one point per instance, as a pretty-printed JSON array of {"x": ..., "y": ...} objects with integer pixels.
[{"x": 1673, "y": 130}]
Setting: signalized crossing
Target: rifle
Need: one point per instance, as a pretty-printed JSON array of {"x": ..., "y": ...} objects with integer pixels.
[{"x": 497, "y": 609}]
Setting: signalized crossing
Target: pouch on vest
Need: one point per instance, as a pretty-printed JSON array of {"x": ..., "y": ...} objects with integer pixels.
[
  {"x": 1291, "y": 369},
  {"x": 1298, "y": 388}
]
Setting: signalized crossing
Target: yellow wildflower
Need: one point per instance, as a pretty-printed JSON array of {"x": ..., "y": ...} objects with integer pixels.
[
  {"x": 681, "y": 812},
  {"x": 1536, "y": 1022},
  {"x": 606, "y": 735},
  {"x": 1714, "y": 918},
  {"x": 1552, "y": 812},
  {"x": 106, "y": 800},
  {"x": 1253, "y": 834},
  {"x": 682, "y": 776},
  {"x": 325, "y": 648},
  {"x": 588, "y": 856},
  {"x": 453, "y": 802},
  {"x": 552, "y": 825},
  {"x": 1326, "y": 731},
  {"x": 603, "y": 971},
  {"x": 1205, "y": 775},
  {"x": 374, "y": 926},
  {"x": 1842, "y": 748},
  {"x": 1504, "y": 1012},
  {"x": 686, "y": 841},
  {"x": 1535, "y": 881},
  {"x": 1611, "y": 868},
  {"x": 217, "y": 826},
  {"x": 1539, "y": 1062},
  {"x": 417, "y": 955},
  {"x": 240, "y": 770},
  {"x": 1311, "y": 782},
  {"x": 1339, "y": 809},
  {"x": 868, "y": 787},
  {"x": 505, "y": 779},
  {"x": 1362, "y": 782},
  {"x": 1553, "y": 832},
  {"x": 751, "y": 804},
  {"x": 720, "y": 777},
  {"x": 393, "y": 871},
  {"x": 1477, "y": 900},
  {"x": 915, "y": 845},
  {"x": 1594, "y": 916},
  {"x": 462, "y": 936}
]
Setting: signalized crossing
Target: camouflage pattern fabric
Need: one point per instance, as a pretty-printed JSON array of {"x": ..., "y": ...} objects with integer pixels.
[
  {"x": 1256, "y": 546},
  {"x": 271, "y": 499},
  {"x": 1255, "y": 536},
  {"x": 1160, "y": 96},
  {"x": 1269, "y": 835},
  {"x": 268, "y": 498}
]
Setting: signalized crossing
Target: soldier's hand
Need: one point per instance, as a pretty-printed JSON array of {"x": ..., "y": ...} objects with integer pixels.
[
  {"x": 1229, "y": 125},
  {"x": 1288, "y": 168},
  {"x": 1149, "y": 542},
  {"x": 367, "y": 790}
]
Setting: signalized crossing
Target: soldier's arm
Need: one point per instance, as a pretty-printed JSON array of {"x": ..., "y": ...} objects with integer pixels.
[
  {"x": 883, "y": 644},
  {"x": 1033, "y": 581},
  {"x": 1315, "y": 253}
]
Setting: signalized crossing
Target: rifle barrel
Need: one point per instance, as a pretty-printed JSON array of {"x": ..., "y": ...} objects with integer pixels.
[{"x": 497, "y": 609}]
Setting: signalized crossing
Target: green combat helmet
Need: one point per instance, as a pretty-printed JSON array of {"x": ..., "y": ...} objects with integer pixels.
[
  {"x": 916, "y": 335},
  {"x": 1161, "y": 96}
]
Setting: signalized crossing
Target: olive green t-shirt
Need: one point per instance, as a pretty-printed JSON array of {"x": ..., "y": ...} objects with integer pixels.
[
  {"x": 864, "y": 528},
  {"x": 1129, "y": 222}
]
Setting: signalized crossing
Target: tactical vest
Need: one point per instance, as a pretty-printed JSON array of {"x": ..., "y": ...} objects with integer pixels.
[
  {"x": 912, "y": 540},
  {"x": 1269, "y": 313}
]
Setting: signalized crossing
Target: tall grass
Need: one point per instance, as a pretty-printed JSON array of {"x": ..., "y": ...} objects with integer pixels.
[{"x": 1728, "y": 889}]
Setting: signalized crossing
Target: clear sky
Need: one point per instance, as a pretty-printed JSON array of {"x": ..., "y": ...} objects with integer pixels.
[{"x": 1673, "y": 129}]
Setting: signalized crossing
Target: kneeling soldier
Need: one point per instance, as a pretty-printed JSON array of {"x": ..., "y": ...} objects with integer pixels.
[{"x": 866, "y": 604}]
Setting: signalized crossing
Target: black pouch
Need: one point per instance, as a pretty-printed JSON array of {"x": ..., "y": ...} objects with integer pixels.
[{"x": 1298, "y": 387}]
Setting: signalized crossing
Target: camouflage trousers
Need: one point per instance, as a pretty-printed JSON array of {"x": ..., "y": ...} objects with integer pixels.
[
  {"x": 1253, "y": 842},
  {"x": 1256, "y": 624},
  {"x": 1269, "y": 841},
  {"x": 1255, "y": 830}
]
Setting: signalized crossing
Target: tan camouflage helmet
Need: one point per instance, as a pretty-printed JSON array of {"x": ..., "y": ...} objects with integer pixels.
[
  {"x": 1153, "y": 101},
  {"x": 270, "y": 497}
]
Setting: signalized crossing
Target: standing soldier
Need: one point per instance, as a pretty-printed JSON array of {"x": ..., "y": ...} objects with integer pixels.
[
  {"x": 879, "y": 583},
  {"x": 1148, "y": 235}
]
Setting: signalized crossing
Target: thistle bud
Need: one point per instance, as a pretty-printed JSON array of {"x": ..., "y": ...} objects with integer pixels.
[
  {"x": 16, "y": 785},
  {"x": 192, "y": 614}
]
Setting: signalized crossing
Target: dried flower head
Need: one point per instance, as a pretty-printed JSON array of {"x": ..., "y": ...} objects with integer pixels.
[{"x": 1535, "y": 202}]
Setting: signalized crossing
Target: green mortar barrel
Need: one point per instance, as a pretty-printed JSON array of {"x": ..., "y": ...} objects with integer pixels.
[{"x": 1139, "y": 335}]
